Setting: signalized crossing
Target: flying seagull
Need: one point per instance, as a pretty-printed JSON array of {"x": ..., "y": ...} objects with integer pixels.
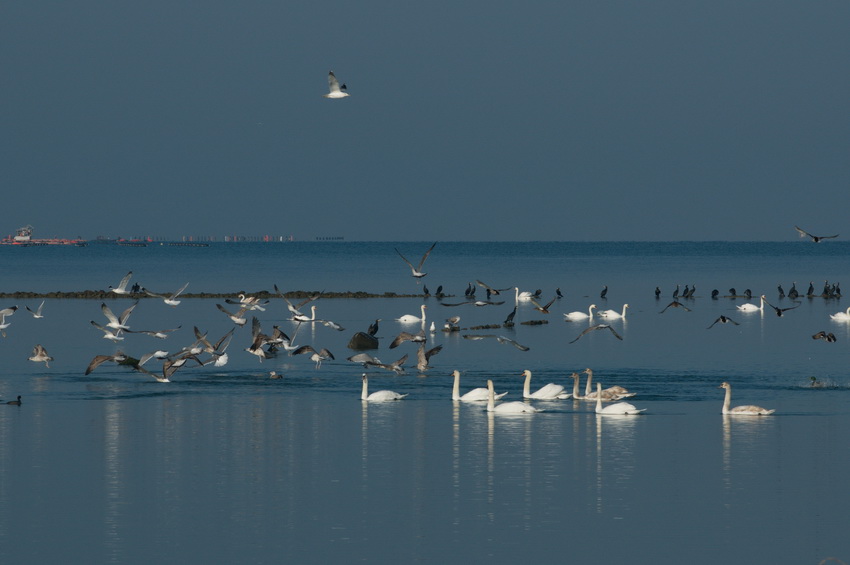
[
  {"x": 815, "y": 238},
  {"x": 417, "y": 271},
  {"x": 334, "y": 89},
  {"x": 597, "y": 327}
]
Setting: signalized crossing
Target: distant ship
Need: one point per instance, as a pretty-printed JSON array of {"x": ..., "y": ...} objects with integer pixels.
[{"x": 23, "y": 237}]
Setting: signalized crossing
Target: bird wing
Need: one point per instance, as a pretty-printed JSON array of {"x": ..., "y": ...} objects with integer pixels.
[
  {"x": 108, "y": 313},
  {"x": 802, "y": 232},
  {"x": 422, "y": 262},
  {"x": 521, "y": 347},
  {"x": 333, "y": 83},
  {"x": 182, "y": 288}
]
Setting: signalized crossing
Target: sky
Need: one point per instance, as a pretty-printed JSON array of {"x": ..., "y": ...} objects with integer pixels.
[{"x": 486, "y": 121}]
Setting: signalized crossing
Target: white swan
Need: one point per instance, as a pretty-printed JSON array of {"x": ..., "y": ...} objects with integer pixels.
[
  {"x": 480, "y": 394},
  {"x": 742, "y": 410},
  {"x": 296, "y": 317},
  {"x": 615, "y": 392},
  {"x": 379, "y": 396},
  {"x": 574, "y": 316},
  {"x": 411, "y": 319},
  {"x": 841, "y": 316},
  {"x": 616, "y": 408},
  {"x": 612, "y": 313},
  {"x": 524, "y": 295},
  {"x": 748, "y": 307},
  {"x": 515, "y": 407},
  {"x": 550, "y": 391}
]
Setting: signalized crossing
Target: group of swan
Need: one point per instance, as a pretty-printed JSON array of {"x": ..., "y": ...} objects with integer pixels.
[{"x": 615, "y": 392}]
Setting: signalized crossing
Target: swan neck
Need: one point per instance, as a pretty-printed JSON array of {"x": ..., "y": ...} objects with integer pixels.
[
  {"x": 727, "y": 401},
  {"x": 599, "y": 397},
  {"x": 364, "y": 395},
  {"x": 456, "y": 387},
  {"x": 575, "y": 387},
  {"x": 491, "y": 397},
  {"x": 587, "y": 388},
  {"x": 526, "y": 388}
]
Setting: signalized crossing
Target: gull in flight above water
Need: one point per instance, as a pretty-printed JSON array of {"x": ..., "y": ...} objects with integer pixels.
[
  {"x": 417, "y": 271},
  {"x": 815, "y": 238},
  {"x": 122, "y": 286},
  {"x": 334, "y": 89}
]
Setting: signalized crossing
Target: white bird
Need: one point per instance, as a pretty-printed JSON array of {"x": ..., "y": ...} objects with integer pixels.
[
  {"x": 37, "y": 313},
  {"x": 122, "y": 286},
  {"x": 117, "y": 322},
  {"x": 334, "y": 89},
  {"x": 39, "y": 355},
  {"x": 480, "y": 394},
  {"x": 304, "y": 318},
  {"x": 417, "y": 271},
  {"x": 616, "y": 408},
  {"x": 170, "y": 299},
  {"x": 379, "y": 396},
  {"x": 575, "y": 316},
  {"x": 159, "y": 334},
  {"x": 108, "y": 333},
  {"x": 749, "y": 307},
  {"x": 4, "y": 324},
  {"x": 549, "y": 391},
  {"x": 841, "y": 316},
  {"x": 613, "y": 314},
  {"x": 524, "y": 295},
  {"x": 742, "y": 410},
  {"x": 252, "y": 302},
  {"x": 515, "y": 407},
  {"x": 411, "y": 319}
]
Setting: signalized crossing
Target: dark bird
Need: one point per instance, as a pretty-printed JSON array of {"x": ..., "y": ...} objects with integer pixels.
[
  {"x": 558, "y": 293},
  {"x": 373, "y": 327},
  {"x": 405, "y": 336},
  {"x": 781, "y": 292},
  {"x": 815, "y": 238},
  {"x": 604, "y": 292},
  {"x": 543, "y": 309},
  {"x": 675, "y": 304},
  {"x": 509, "y": 321},
  {"x": 732, "y": 292},
  {"x": 439, "y": 293},
  {"x": 676, "y": 292},
  {"x": 100, "y": 359},
  {"x": 317, "y": 356},
  {"x": 500, "y": 338},
  {"x": 597, "y": 327},
  {"x": 657, "y": 293},
  {"x": 422, "y": 356},
  {"x": 492, "y": 290},
  {"x": 417, "y": 271},
  {"x": 15, "y": 402},
  {"x": 780, "y": 311},
  {"x": 425, "y": 292},
  {"x": 723, "y": 320},
  {"x": 828, "y": 337},
  {"x": 793, "y": 292},
  {"x": 748, "y": 294},
  {"x": 811, "y": 291},
  {"x": 714, "y": 294}
]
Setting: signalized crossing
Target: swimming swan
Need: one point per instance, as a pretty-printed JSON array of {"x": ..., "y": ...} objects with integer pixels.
[
  {"x": 379, "y": 396},
  {"x": 841, "y": 316},
  {"x": 742, "y": 410},
  {"x": 550, "y": 391},
  {"x": 613, "y": 313},
  {"x": 515, "y": 407},
  {"x": 574, "y": 316},
  {"x": 480, "y": 394},
  {"x": 616, "y": 408},
  {"x": 411, "y": 319},
  {"x": 615, "y": 392},
  {"x": 748, "y": 307}
]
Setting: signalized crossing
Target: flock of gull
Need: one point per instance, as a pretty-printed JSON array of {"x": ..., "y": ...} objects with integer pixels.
[{"x": 206, "y": 351}]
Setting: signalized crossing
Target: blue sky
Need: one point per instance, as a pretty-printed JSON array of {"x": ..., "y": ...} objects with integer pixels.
[{"x": 654, "y": 120}]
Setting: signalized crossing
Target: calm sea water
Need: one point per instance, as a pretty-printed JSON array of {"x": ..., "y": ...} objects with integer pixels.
[{"x": 227, "y": 465}]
